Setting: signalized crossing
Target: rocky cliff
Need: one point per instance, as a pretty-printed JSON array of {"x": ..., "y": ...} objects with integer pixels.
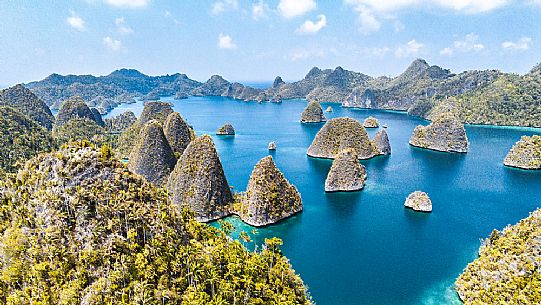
[
  {"x": 346, "y": 173},
  {"x": 381, "y": 140},
  {"x": 74, "y": 108},
  {"x": 269, "y": 197},
  {"x": 445, "y": 133},
  {"x": 313, "y": 113},
  {"x": 226, "y": 130},
  {"x": 338, "y": 134},
  {"x": 525, "y": 154},
  {"x": 198, "y": 181},
  {"x": 28, "y": 103},
  {"x": 178, "y": 133},
  {"x": 371, "y": 122}
]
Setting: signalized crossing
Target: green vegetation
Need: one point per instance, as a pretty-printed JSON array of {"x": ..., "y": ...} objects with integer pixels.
[
  {"x": 21, "y": 139},
  {"x": 80, "y": 129},
  {"x": 507, "y": 270},
  {"x": 526, "y": 153},
  {"x": 78, "y": 228}
]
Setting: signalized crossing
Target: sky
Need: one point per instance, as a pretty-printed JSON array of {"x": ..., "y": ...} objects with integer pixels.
[{"x": 257, "y": 40}]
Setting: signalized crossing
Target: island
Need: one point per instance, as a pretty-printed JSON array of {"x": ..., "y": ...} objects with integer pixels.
[
  {"x": 313, "y": 113},
  {"x": 445, "y": 133},
  {"x": 346, "y": 173},
  {"x": 419, "y": 201},
  {"x": 525, "y": 154}
]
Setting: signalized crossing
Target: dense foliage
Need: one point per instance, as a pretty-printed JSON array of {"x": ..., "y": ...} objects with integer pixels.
[
  {"x": 21, "y": 138},
  {"x": 507, "y": 270},
  {"x": 80, "y": 129},
  {"x": 76, "y": 227}
]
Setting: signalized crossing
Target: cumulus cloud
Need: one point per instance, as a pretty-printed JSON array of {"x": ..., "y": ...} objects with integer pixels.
[
  {"x": 470, "y": 43},
  {"x": 221, "y": 6},
  {"x": 76, "y": 22},
  {"x": 260, "y": 10},
  {"x": 311, "y": 27},
  {"x": 522, "y": 44},
  {"x": 112, "y": 44},
  {"x": 128, "y": 3},
  {"x": 294, "y": 8},
  {"x": 226, "y": 42},
  {"x": 410, "y": 49},
  {"x": 122, "y": 27}
]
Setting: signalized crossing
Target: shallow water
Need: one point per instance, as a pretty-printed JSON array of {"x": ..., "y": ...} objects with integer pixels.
[{"x": 365, "y": 247}]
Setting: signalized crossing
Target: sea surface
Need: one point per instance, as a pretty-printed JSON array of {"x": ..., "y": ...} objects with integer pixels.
[{"x": 365, "y": 247}]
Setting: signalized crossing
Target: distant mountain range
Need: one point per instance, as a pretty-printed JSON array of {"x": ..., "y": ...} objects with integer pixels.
[{"x": 419, "y": 89}]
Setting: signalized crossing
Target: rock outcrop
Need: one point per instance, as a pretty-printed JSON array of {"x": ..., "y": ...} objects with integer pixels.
[
  {"x": 445, "y": 133},
  {"x": 525, "y": 154},
  {"x": 371, "y": 122},
  {"x": 329, "y": 109},
  {"x": 346, "y": 173},
  {"x": 419, "y": 201},
  {"x": 155, "y": 111},
  {"x": 313, "y": 113},
  {"x": 269, "y": 197},
  {"x": 341, "y": 133},
  {"x": 97, "y": 117},
  {"x": 381, "y": 140},
  {"x": 22, "y": 99},
  {"x": 198, "y": 181},
  {"x": 74, "y": 108},
  {"x": 360, "y": 98},
  {"x": 226, "y": 130},
  {"x": 120, "y": 122},
  {"x": 151, "y": 156},
  {"x": 272, "y": 145},
  {"x": 178, "y": 133}
]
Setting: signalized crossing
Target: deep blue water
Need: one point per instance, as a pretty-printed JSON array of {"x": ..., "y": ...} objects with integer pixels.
[{"x": 365, "y": 247}]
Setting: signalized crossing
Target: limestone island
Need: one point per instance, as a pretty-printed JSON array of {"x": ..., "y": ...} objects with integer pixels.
[
  {"x": 178, "y": 133},
  {"x": 313, "y": 113},
  {"x": 525, "y": 154},
  {"x": 371, "y": 122},
  {"x": 341, "y": 133},
  {"x": 272, "y": 145},
  {"x": 226, "y": 130},
  {"x": 446, "y": 133},
  {"x": 269, "y": 197},
  {"x": 329, "y": 109},
  {"x": 419, "y": 201},
  {"x": 346, "y": 174},
  {"x": 382, "y": 142}
]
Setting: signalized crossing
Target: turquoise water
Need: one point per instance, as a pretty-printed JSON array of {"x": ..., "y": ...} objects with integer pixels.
[{"x": 365, "y": 247}]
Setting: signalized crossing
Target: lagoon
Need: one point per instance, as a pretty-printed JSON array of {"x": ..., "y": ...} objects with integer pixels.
[{"x": 365, "y": 247}]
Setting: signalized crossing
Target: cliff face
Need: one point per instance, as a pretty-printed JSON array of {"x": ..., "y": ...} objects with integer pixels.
[
  {"x": 178, "y": 133},
  {"x": 525, "y": 154},
  {"x": 381, "y": 140},
  {"x": 341, "y": 133},
  {"x": 346, "y": 173},
  {"x": 445, "y": 133},
  {"x": 313, "y": 113},
  {"x": 28, "y": 103},
  {"x": 269, "y": 197},
  {"x": 151, "y": 156},
  {"x": 507, "y": 260},
  {"x": 198, "y": 181}
]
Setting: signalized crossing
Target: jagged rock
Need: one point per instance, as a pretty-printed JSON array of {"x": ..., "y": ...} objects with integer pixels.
[
  {"x": 313, "y": 113},
  {"x": 346, "y": 173},
  {"x": 419, "y": 201},
  {"x": 382, "y": 142},
  {"x": 120, "y": 122},
  {"x": 97, "y": 117},
  {"x": 272, "y": 145},
  {"x": 371, "y": 122},
  {"x": 445, "y": 133},
  {"x": 226, "y": 130},
  {"x": 22, "y": 99},
  {"x": 198, "y": 181},
  {"x": 269, "y": 197},
  {"x": 155, "y": 111},
  {"x": 73, "y": 108},
  {"x": 178, "y": 133},
  {"x": 329, "y": 109},
  {"x": 338, "y": 134},
  {"x": 360, "y": 98},
  {"x": 151, "y": 156},
  {"x": 525, "y": 154},
  {"x": 277, "y": 82}
]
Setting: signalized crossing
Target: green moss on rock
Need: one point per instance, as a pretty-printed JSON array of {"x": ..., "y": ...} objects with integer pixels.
[
  {"x": 371, "y": 122},
  {"x": 313, "y": 113},
  {"x": 74, "y": 108},
  {"x": 78, "y": 129},
  {"x": 526, "y": 153},
  {"x": 445, "y": 133},
  {"x": 346, "y": 173},
  {"x": 178, "y": 133},
  {"x": 28, "y": 103}
]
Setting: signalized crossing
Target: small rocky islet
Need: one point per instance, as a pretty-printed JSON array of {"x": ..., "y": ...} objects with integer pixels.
[
  {"x": 346, "y": 173},
  {"x": 419, "y": 201},
  {"x": 313, "y": 113},
  {"x": 226, "y": 130},
  {"x": 371, "y": 122},
  {"x": 525, "y": 154},
  {"x": 445, "y": 133}
]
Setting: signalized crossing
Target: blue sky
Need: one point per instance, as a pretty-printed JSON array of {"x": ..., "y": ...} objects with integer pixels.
[{"x": 257, "y": 40}]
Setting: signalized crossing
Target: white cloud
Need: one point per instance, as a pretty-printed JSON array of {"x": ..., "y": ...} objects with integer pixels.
[
  {"x": 226, "y": 42},
  {"x": 294, "y": 8},
  {"x": 410, "y": 49},
  {"x": 472, "y": 6},
  {"x": 470, "y": 43},
  {"x": 303, "y": 54},
  {"x": 522, "y": 44},
  {"x": 122, "y": 27},
  {"x": 221, "y": 6},
  {"x": 128, "y": 3},
  {"x": 310, "y": 27},
  {"x": 76, "y": 22},
  {"x": 112, "y": 44},
  {"x": 259, "y": 10}
]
